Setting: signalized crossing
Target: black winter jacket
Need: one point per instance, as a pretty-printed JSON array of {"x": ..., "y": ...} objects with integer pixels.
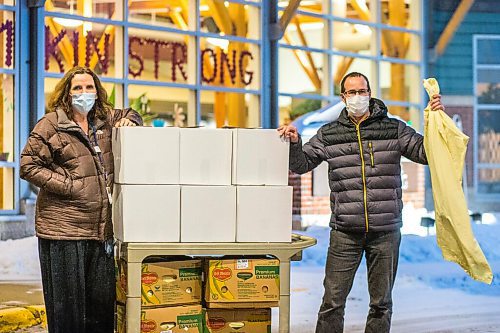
[{"x": 364, "y": 168}]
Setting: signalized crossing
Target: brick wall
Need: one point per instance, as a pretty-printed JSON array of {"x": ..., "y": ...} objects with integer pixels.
[
  {"x": 304, "y": 203},
  {"x": 303, "y": 200}
]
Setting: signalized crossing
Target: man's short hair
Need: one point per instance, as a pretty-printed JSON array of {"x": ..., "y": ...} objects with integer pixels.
[{"x": 353, "y": 74}]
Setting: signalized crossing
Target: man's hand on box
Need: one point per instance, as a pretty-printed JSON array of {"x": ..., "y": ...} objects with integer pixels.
[{"x": 289, "y": 132}]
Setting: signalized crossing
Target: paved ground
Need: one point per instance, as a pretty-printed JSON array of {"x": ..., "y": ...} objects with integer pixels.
[
  {"x": 483, "y": 320},
  {"x": 19, "y": 294},
  {"x": 24, "y": 293}
]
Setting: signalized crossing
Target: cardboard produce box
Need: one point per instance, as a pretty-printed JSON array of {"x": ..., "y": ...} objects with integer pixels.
[
  {"x": 264, "y": 214},
  {"x": 171, "y": 283},
  {"x": 260, "y": 157},
  {"x": 121, "y": 318},
  {"x": 238, "y": 320},
  {"x": 178, "y": 319},
  {"x": 208, "y": 214},
  {"x": 242, "y": 283},
  {"x": 164, "y": 283},
  {"x": 205, "y": 156},
  {"x": 146, "y": 155},
  {"x": 146, "y": 213},
  {"x": 121, "y": 281}
]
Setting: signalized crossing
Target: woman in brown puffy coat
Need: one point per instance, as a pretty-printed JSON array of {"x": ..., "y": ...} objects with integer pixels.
[{"x": 68, "y": 156}]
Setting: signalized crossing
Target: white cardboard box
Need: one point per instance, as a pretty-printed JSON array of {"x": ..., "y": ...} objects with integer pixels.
[
  {"x": 208, "y": 214},
  {"x": 205, "y": 156},
  {"x": 263, "y": 213},
  {"x": 146, "y": 155},
  {"x": 146, "y": 213},
  {"x": 260, "y": 157}
]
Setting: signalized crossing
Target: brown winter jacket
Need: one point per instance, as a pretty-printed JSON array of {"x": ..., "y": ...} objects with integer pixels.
[{"x": 60, "y": 159}]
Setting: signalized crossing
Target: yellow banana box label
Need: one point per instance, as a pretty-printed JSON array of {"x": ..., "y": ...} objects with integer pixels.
[
  {"x": 179, "y": 319},
  {"x": 237, "y": 321},
  {"x": 171, "y": 283},
  {"x": 121, "y": 281},
  {"x": 120, "y": 319},
  {"x": 242, "y": 280}
]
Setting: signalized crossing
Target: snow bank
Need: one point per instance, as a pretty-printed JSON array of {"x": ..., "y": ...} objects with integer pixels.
[
  {"x": 19, "y": 259},
  {"x": 422, "y": 259}
]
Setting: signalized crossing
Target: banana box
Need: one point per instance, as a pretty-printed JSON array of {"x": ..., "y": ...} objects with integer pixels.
[
  {"x": 164, "y": 282},
  {"x": 171, "y": 283},
  {"x": 238, "y": 320},
  {"x": 176, "y": 319},
  {"x": 242, "y": 283},
  {"x": 120, "y": 318},
  {"x": 121, "y": 280}
]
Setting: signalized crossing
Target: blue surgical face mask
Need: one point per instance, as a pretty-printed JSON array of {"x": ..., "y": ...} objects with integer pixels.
[{"x": 83, "y": 102}]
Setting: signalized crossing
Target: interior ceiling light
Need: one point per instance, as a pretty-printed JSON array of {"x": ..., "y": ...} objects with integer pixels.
[
  {"x": 222, "y": 43},
  {"x": 363, "y": 29},
  {"x": 306, "y": 26},
  {"x": 68, "y": 23}
]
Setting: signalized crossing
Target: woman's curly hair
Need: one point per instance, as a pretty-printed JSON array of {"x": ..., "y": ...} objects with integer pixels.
[{"x": 61, "y": 98}]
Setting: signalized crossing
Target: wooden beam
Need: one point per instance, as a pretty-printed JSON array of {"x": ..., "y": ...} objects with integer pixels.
[
  {"x": 288, "y": 14},
  {"x": 397, "y": 18},
  {"x": 220, "y": 110},
  {"x": 364, "y": 14},
  {"x": 65, "y": 45},
  {"x": 397, "y": 90},
  {"x": 310, "y": 59},
  {"x": 342, "y": 69},
  {"x": 307, "y": 70},
  {"x": 185, "y": 9},
  {"x": 362, "y": 9},
  {"x": 110, "y": 30},
  {"x": 178, "y": 20},
  {"x": 236, "y": 102},
  {"x": 153, "y": 4},
  {"x": 452, "y": 26},
  {"x": 221, "y": 16}
]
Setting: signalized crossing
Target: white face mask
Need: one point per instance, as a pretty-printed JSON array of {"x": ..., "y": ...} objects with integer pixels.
[
  {"x": 83, "y": 102},
  {"x": 357, "y": 105}
]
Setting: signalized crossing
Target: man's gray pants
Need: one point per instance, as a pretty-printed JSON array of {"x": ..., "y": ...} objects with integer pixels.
[{"x": 344, "y": 256}]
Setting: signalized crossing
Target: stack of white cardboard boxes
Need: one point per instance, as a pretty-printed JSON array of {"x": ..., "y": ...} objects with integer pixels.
[{"x": 201, "y": 185}]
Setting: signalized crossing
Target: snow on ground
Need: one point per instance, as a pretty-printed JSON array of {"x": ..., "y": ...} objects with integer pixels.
[
  {"x": 430, "y": 295},
  {"x": 19, "y": 259}
]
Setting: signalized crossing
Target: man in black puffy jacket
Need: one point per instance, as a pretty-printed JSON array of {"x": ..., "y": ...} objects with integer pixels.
[{"x": 363, "y": 148}]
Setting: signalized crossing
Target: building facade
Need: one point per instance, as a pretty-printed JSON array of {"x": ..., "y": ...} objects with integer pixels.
[{"x": 245, "y": 63}]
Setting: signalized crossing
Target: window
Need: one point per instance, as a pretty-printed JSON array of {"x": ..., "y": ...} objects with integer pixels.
[
  {"x": 177, "y": 57},
  {"x": 328, "y": 39},
  {"x": 487, "y": 116},
  {"x": 9, "y": 116}
]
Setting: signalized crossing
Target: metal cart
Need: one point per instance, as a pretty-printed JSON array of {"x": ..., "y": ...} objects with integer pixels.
[{"x": 135, "y": 253}]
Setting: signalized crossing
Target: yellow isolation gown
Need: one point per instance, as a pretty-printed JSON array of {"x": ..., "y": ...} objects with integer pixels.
[{"x": 445, "y": 147}]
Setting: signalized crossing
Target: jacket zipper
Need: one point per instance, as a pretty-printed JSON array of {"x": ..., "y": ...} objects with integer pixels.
[
  {"x": 97, "y": 164},
  {"x": 363, "y": 176},
  {"x": 371, "y": 154}
]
